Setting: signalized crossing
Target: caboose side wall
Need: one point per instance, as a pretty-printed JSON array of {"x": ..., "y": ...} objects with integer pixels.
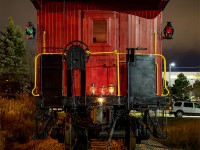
[{"x": 65, "y": 23}]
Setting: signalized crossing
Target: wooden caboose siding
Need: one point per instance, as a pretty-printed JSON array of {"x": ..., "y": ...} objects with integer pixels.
[
  {"x": 60, "y": 24},
  {"x": 64, "y": 22},
  {"x": 62, "y": 27},
  {"x": 135, "y": 31},
  {"x": 140, "y": 33}
]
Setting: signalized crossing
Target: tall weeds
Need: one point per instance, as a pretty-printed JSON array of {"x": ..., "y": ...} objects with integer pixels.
[
  {"x": 183, "y": 133},
  {"x": 16, "y": 120}
]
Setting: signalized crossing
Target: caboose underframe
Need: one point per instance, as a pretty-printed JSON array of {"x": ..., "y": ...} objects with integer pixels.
[{"x": 77, "y": 120}]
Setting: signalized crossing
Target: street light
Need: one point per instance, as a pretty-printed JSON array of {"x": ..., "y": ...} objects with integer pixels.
[{"x": 170, "y": 67}]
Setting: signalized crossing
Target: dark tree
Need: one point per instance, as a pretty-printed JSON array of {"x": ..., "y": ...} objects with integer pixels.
[
  {"x": 196, "y": 88},
  {"x": 181, "y": 88},
  {"x": 13, "y": 58}
]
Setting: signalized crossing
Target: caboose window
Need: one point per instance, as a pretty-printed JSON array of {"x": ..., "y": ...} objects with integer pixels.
[{"x": 99, "y": 31}]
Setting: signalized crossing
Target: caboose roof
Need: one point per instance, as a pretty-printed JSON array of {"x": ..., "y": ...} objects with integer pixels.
[
  {"x": 125, "y": 5},
  {"x": 144, "y": 8}
]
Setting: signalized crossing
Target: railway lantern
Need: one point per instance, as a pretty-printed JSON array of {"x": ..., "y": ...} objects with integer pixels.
[
  {"x": 30, "y": 31},
  {"x": 92, "y": 89},
  {"x": 111, "y": 89},
  {"x": 168, "y": 31},
  {"x": 102, "y": 90}
]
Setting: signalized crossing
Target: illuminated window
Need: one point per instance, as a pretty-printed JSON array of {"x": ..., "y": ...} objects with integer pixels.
[{"x": 99, "y": 31}]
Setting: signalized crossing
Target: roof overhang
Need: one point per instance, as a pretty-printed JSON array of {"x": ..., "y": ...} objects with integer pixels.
[{"x": 125, "y": 5}]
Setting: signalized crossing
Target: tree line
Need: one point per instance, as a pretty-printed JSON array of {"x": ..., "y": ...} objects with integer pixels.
[
  {"x": 182, "y": 90},
  {"x": 14, "y": 66}
]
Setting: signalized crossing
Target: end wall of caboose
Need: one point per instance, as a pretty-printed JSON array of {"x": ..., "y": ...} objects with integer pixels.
[{"x": 59, "y": 23}]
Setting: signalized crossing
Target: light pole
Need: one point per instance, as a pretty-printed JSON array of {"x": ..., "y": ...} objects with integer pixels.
[{"x": 170, "y": 67}]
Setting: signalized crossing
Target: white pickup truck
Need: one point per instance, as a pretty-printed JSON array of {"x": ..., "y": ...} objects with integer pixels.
[{"x": 180, "y": 108}]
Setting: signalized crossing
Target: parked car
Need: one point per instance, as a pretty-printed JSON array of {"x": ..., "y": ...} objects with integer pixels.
[{"x": 180, "y": 108}]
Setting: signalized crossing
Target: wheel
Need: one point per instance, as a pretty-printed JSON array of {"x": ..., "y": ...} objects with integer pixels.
[
  {"x": 77, "y": 43},
  {"x": 179, "y": 113}
]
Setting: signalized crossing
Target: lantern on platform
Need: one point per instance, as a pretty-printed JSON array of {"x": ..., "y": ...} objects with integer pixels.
[
  {"x": 168, "y": 31},
  {"x": 102, "y": 90},
  {"x": 111, "y": 89},
  {"x": 92, "y": 89}
]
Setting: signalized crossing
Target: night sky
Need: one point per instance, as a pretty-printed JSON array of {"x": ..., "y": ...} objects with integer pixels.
[{"x": 183, "y": 49}]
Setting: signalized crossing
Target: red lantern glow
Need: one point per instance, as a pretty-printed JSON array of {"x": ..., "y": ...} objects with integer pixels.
[
  {"x": 168, "y": 31},
  {"x": 103, "y": 90}
]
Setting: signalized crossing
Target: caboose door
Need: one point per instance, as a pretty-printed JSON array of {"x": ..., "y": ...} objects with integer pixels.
[{"x": 100, "y": 32}]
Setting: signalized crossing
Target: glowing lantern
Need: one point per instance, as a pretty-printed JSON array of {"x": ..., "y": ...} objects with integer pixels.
[
  {"x": 168, "y": 31},
  {"x": 92, "y": 89},
  {"x": 102, "y": 90},
  {"x": 30, "y": 31},
  {"x": 111, "y": 89}
]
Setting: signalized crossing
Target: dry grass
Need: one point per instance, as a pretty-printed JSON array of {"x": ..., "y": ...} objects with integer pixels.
[
  {"x": 16, "y": 121},
  {"x": 17, "y": 126},
  {"x": 2, "y": 141},
  {"x": 183, "y": 133}
]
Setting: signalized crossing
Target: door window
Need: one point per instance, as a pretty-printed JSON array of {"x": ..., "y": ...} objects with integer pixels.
[{"x": 99, "y": 31}]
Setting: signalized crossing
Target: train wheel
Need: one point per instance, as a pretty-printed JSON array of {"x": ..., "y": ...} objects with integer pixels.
[{"x": 77, "y": 43}]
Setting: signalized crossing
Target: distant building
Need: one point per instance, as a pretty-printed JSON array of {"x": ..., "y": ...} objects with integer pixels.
[{"x": 191, "y": 76}]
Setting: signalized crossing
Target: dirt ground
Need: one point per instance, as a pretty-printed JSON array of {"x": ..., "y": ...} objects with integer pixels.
[
  {"x": 150, "y": 145},
  {"x": 52, "y": 144}
]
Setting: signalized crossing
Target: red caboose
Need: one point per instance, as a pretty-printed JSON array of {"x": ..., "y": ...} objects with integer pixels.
[{"x": 107, "y": 35}]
